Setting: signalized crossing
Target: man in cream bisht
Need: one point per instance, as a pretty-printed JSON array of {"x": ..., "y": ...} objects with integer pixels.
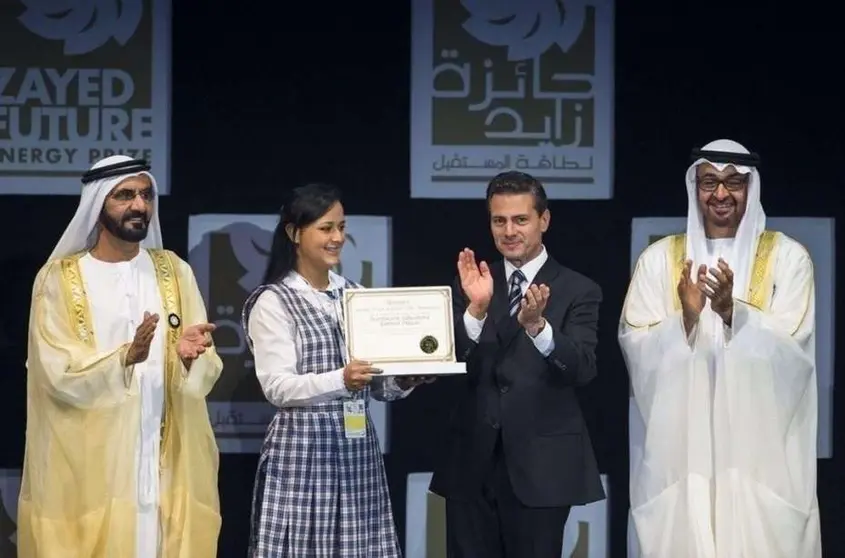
[
  {"x": 718, "y": 332},
  {"x": 120, "y": 458}
]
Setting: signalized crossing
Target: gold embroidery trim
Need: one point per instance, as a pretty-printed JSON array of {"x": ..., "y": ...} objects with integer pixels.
[
  {"x": 677, "y": 249},
  {"x": 757, "y": 289},
  {"x": 677, "y": 255},
  {"x": 73, "y": 288},
  {"x": 168, "y": 287}
]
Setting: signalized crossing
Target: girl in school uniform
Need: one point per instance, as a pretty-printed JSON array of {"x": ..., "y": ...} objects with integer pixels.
[{"x": 320, "y": 489}]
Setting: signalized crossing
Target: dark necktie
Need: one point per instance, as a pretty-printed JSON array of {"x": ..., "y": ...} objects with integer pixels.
[{"x": 515, "y": 294}]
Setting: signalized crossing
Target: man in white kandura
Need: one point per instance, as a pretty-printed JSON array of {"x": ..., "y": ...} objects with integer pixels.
[
  {"x": 121, "y": 460},
  {"x": 718, "y": 333}
]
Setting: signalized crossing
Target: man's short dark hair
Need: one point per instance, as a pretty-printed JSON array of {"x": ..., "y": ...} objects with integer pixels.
[{"x": 515, "y": 182}]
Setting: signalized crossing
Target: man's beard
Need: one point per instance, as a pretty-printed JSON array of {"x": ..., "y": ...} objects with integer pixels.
[{"x": 123, "y": 229}]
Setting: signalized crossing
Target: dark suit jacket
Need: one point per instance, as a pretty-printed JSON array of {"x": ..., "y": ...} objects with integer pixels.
[{"x": 511, "y": 390}]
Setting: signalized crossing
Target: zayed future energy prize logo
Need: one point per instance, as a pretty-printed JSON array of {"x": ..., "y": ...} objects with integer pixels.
[
  {"x": 79, "y": 81},
  {"x": 524, "y": 85}
]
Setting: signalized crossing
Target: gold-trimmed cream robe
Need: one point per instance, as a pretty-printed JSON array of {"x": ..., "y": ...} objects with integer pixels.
[{"x": 121, "y": 461}]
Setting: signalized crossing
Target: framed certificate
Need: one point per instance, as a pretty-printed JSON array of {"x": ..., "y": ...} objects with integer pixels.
[{"x": 404, "y": 331}]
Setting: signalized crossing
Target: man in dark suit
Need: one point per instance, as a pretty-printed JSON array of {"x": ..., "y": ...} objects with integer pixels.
[{"x": 519, "y": 455}]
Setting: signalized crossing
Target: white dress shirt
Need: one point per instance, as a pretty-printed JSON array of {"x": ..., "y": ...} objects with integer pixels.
[
  {"x": 276, "y": 350},
  {"x": 118, "y": 295},
  {"x": 544, "y": 341},
  {"x": 273, "y": 333}
]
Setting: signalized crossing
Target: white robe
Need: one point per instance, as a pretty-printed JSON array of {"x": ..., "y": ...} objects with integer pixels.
[
  {"x": 118, "y": 295},
  {"x": 723, "y": 435}
]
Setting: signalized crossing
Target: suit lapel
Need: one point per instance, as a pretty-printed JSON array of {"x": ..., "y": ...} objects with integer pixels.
[
  {"x": 547, "y": 273},
  {"x": 499, "y": 304}
]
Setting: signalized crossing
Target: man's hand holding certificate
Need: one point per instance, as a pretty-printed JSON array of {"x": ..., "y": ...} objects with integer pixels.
[{"x": 404, "y": 331}]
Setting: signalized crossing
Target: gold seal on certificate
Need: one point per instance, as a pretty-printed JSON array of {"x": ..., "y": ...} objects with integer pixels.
[
  {"x": 404, "y": 331},
  {"x": 428, "y": 344}
]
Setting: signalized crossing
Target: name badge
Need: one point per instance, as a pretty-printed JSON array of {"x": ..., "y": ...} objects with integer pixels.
[{"x": 355, "y": 418}]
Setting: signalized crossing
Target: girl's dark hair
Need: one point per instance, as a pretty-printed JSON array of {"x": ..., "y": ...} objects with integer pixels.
[{"x": 303, "y": 206}]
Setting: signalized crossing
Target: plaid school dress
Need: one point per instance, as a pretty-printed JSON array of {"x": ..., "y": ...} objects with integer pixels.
[{"x": 318, "y": 494}]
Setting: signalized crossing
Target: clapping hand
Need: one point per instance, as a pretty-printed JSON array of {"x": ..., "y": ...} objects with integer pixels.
[
  {"x": 718, "y": 287},
  {"x": 193, "y": 342},
  {"x": 691, "y": 295},
  {"x": 476, "y": 282},
  {"x": 139, "y": 350},
  {"x": 531, "y": 309}
]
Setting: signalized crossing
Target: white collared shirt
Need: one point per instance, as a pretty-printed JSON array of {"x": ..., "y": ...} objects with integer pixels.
[
  {"x": 274, "y": 336},
  {"x": 273, "y": 333},
  {"x": 544, "y": 341},
  {"x": 118, "y": 295}
]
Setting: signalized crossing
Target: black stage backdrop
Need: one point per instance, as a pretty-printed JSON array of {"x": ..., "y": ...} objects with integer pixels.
[{"x": 262, "y": 102}]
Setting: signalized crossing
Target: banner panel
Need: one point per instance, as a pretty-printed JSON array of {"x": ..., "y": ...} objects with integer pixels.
[
  {"x": 516, "y": 85},
  {"x": 80, "y": 81}
]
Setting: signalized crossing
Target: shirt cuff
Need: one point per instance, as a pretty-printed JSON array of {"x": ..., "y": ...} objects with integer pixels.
[
  {"x": 544, "y": 341},
  {"x": 473, "y": 326},
  {"x": 334, "y": 383}
]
